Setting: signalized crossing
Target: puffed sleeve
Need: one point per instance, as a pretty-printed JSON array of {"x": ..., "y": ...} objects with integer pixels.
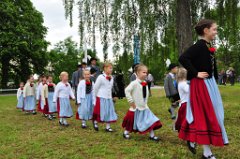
[{"x": 128, "y": 92}]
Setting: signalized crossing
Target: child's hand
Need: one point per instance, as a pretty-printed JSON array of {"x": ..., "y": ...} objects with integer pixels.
[
  {"x": 133, "y": 105},
  {"x": 202, "y": 75}
]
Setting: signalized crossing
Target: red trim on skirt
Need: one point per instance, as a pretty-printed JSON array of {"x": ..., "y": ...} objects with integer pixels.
[
  {"x": 96, "y": 113},
  {"x": 181, "y": 116},
  {"x": 128, "y": 121},
  {"x": 205, "y": 129},
  {"x": 46, "y": 107}
]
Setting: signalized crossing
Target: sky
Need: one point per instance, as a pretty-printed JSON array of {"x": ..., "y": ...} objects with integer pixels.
[{"x": 58, "y": 27}]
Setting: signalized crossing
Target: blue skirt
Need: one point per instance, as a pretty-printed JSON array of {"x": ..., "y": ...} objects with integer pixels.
[
  {"x": 20, "y": 102},
  {"x": 30, "y": 103},
  {"x": 85, "y": 109},
  {"x": 144, "y": 120},
  {"x": 216, "y": 99},
  {"x": 52, "y": 106},
  {"x": 64, "y": 108},
  {"x": 104, "y": 111}
]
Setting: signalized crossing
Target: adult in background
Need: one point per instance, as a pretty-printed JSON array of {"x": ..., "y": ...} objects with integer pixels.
[
  {"x": 120, "y": 84},
  {"x": 232, "y": 76},
  {"x": 93, "y": 64},
  {"x": 150, "y": 81},
  {"x": 75, "y": 78}
]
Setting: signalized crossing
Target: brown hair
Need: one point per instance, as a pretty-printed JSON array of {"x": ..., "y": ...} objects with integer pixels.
[
  {"x": 139, "y": 67},
  {"x": 181, "y": 74},
  {"x": 107, "y": 64},
  {"x": 202, "y": 24}
]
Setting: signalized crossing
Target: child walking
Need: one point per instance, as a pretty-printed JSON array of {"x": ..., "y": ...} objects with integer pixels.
[
  {"x": 62, "y": 95},
  {"x": 170, "y": 87},
  {"x": 52, "y": 106},
  {"x": 139, "y": 117},
  {"x": 29, "y": 96},
  {"x": 204, "y": 122},
  {"x": 44, "y": 97},
  {"x": 104, "y": 110},
  {"x": 20, "y": 98},
  {"x": 85, "y": 99}
]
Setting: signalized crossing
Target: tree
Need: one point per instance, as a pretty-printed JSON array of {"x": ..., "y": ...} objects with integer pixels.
[
  {"x": 65, "y": 56},
  {"x": 22, "y": 44}
]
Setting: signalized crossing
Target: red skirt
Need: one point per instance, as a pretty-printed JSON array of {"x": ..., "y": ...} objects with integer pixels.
[
  {"x": 205, "y": 129},
  {"x": 128, "y": 121},
  {"x": 39, "y": 105},
  {"x": 181, "y": 116},
  {"x": 46, "y": 107}
]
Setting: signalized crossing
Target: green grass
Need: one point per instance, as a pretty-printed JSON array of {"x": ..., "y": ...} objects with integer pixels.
[{"x": 26, "y": 136}]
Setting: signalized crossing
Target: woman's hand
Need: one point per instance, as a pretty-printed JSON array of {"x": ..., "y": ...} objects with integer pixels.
[{"x": 202, "y": 75}]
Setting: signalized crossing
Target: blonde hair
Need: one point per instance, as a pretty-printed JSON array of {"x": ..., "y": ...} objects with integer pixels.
[
  {"x": 181, "y": 74},
  {"x": 139, "y": 67},
  {"x": 62, "y": 74},
  {"x": 84, "y": 71},
  {"x": 106, "y": 65}
]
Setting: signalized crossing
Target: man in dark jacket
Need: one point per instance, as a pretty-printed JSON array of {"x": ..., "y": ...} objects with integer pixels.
[{"x": 170, "y": 87}]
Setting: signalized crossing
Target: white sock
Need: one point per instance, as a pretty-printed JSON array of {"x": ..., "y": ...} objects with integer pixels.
[
  {"x": 83, "y": 122},
  {"x": 61, "y": 120},
  {"x": 125, "y": 132},
  {"x": 207, "y": 151},
  {"x": 151, "y": 133},
  {"x": 192, "y": 144},
  {"x": 64, "y": 120},
  {"x": 107, "y": 125}
]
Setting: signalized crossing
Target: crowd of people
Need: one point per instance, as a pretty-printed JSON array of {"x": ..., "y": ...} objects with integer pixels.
[
  {"x": 191, "y": 88},
  {"x": 227, "y": 76}
]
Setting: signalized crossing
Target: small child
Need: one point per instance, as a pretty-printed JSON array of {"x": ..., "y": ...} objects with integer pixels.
[
  {"x": 38, "y": 93},
  {"x": 20, "y": 96},
  {"x": 104, "y": 110},
  {"x": 170, "y": 87},
  {"x": 52, "y": 106},
  {"x": 62, "y": 95},
  {"x": 29, "y": 96},
  {"x": 44, "y": 97},
  {"x": 183, "y": 89},
  {"x": 85, "y": 99},
  {"x": 140, "y": 118}
]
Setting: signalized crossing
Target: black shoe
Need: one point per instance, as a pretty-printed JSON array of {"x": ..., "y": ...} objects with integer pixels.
[
  {"x": 50, "y": 118},
  {"x": 34, "y": 113},
  {"x": 154, "y": 138},
  {"x": 192, "y": 149},
  {"x": 209, "y": 157},
  {"x": 109, "y": 130},
  {"x": 84, "y": 126},
  {"x": 126, "y": 136},
  {"x": 95, "y": 127},
  {"x": 174, "y": 117}
]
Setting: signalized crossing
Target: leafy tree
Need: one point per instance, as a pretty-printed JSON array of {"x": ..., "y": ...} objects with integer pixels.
[{"x": 22, "y": 44}]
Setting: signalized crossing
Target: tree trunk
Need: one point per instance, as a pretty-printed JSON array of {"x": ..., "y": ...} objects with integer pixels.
[
  {"x": 5, "y": 71},
  {"x": 183, "y": 25}
]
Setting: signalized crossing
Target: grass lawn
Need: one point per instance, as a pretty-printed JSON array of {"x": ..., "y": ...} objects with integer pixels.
[{"x": 28, "y": 136}]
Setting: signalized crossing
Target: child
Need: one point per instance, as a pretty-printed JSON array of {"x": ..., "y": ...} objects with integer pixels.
[
  {"x": 204, "y": 122},
  {"x": 20, "y": 96},
  {"x": 183, "y": 89},
  {"x": 44, "y": 97},
  {"x": 142, "y": 120},
  {"x": 52, "y": 106},
  {"x": 170, "y": 87},
  {"x": 61, "y": 95},
  {"x": 104, "y": 110},
  {"x": 38, "y": 93},
  {"x": 29, "y": 96},
  {"x": 85, "y": 99}
]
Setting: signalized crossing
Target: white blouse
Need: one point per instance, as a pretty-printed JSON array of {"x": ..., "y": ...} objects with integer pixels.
[
  {"x": 44, "y": 93},
  {"x": 81, "y": 91},
  {"x": 183, "y": 89},
  {"x": 134, "y": 94},
  {"x": 19, "y": 93},
  {"x": 63, "y": 91},
  {"x": 28, "y": 90},
  {"x": 103, "y": 87}
]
